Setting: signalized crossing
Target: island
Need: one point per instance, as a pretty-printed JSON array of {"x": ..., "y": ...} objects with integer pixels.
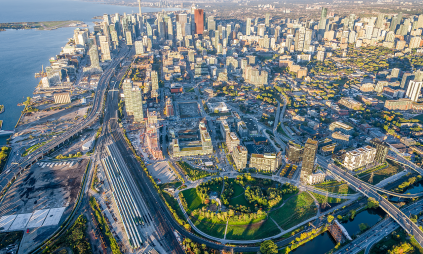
[{"x": 43, "y": 25}]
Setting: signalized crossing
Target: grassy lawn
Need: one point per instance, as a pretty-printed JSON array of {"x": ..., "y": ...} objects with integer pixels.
[
  {"x": 193, "y": 200},
  {"x": 216, "y": 187},
  {"x": 238, "y": 189},
  {"x": 174, "y": 204},
  {"x": 252, "y": 231},
  {"x": 209, "y": 227},
  {"x": 382, "y": 174},
  {"x": 335, "y": 187},
  {"x": 295, "y": 211},
  {"x": 240, "y": 200},
  {"x": 321, "y": 199}
]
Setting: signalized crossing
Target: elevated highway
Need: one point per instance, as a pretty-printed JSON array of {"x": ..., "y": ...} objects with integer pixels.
[
  {"x": 396, "y": 214},
  {"x": 15, "y": 170}
]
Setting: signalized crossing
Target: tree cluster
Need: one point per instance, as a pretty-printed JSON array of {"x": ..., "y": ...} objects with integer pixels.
[{"x": 192, "y": 247}]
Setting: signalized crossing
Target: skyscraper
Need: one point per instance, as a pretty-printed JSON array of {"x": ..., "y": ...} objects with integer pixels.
[
  {"x": 414, "y": 90},
  {"x": 199, "y": 21},
  {"x": 248, "y": 27},
  {"x": 267, "y": 19},
  {"x": 139, "y": 7},
  {"x": 309, "y": 155},
  {"x": 211, "y": 23},
  {"x": 139, "y": 47},
  {"x": 322, "y": 21},
  {"x": 415, "y": 42},
  {"x": 133, "y": 100},
  {"x": 379, "y": 21},
  {"x": 261, "y": 29},
  {"x": 406, "y": 78},
  {"x": 182, "y": 20},
  {"x": 105, "y": 48}
]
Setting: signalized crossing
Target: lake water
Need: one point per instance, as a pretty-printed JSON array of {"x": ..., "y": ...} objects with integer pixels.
[{"x": 22, "y": 52}]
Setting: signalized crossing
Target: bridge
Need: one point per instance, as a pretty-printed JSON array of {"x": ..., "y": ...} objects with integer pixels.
[
  {"x": 397, "y": 156},
  {"x": 369, "y": 191}
]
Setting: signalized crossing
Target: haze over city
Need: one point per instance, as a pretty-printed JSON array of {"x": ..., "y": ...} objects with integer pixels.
[{"x": 211, "y": 126}]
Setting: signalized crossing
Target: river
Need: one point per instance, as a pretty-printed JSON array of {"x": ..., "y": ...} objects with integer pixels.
[
  {"x": 22, "y": 52},
  {"x": 324, "y": 242}
]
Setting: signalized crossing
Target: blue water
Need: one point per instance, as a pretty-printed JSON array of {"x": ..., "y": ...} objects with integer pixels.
[
  {"x": 324, "y": 242},
  {"x": 22, "y": 52}
]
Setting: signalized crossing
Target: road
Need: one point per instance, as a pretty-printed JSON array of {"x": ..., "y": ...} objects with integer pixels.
[
  {"x": 377, "y": 232},
  {"x": 402, "y": 219},
  {"x": 12, "y": 172}
]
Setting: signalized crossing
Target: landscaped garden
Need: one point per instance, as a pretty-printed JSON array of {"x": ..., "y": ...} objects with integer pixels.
[
  {"x": 243, "y": 204},
  {"x": 193, "y": 173}
]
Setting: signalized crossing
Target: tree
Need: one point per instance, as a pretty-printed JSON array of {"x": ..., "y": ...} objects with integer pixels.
[
  {"x": 330, "y": 218},
  {"x": 268, "y": 247},
  {"x": 372, "y": 203}
]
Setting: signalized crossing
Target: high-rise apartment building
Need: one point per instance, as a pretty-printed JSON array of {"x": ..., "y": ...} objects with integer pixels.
[
  {"x": 133, "y": 100},
  {"x": 232, "y": 141},
  {"x": 382, "y": 149},
  {"x": 199, "y": 21},
  {"x": 294, "y": 152},
  {"x": 309, "y": 156},
  {"x": 266, "y": 162},
  {"x": 406, "y": 78},
  {"x": 95, "y": 61},
  {"x": 240, "y": 156},
  {"x": 414, "y": 90},
  {"x": 359, "y": 157},
  {"x": 105, "y": 48}
]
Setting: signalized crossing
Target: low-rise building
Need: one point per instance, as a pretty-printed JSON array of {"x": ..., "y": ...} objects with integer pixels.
[
  {"x": 62, "y": 98},
  {"x": 350, "y": 103},
  {"x": 218, "y": 107},
  {"x": 342, "y": 127},
  {"x": 341, "y": 138},
  {"x": 316, "y": 178}
]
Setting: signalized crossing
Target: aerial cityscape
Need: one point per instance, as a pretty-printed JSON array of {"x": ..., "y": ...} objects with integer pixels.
[{"x": 224, "y": 126}]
